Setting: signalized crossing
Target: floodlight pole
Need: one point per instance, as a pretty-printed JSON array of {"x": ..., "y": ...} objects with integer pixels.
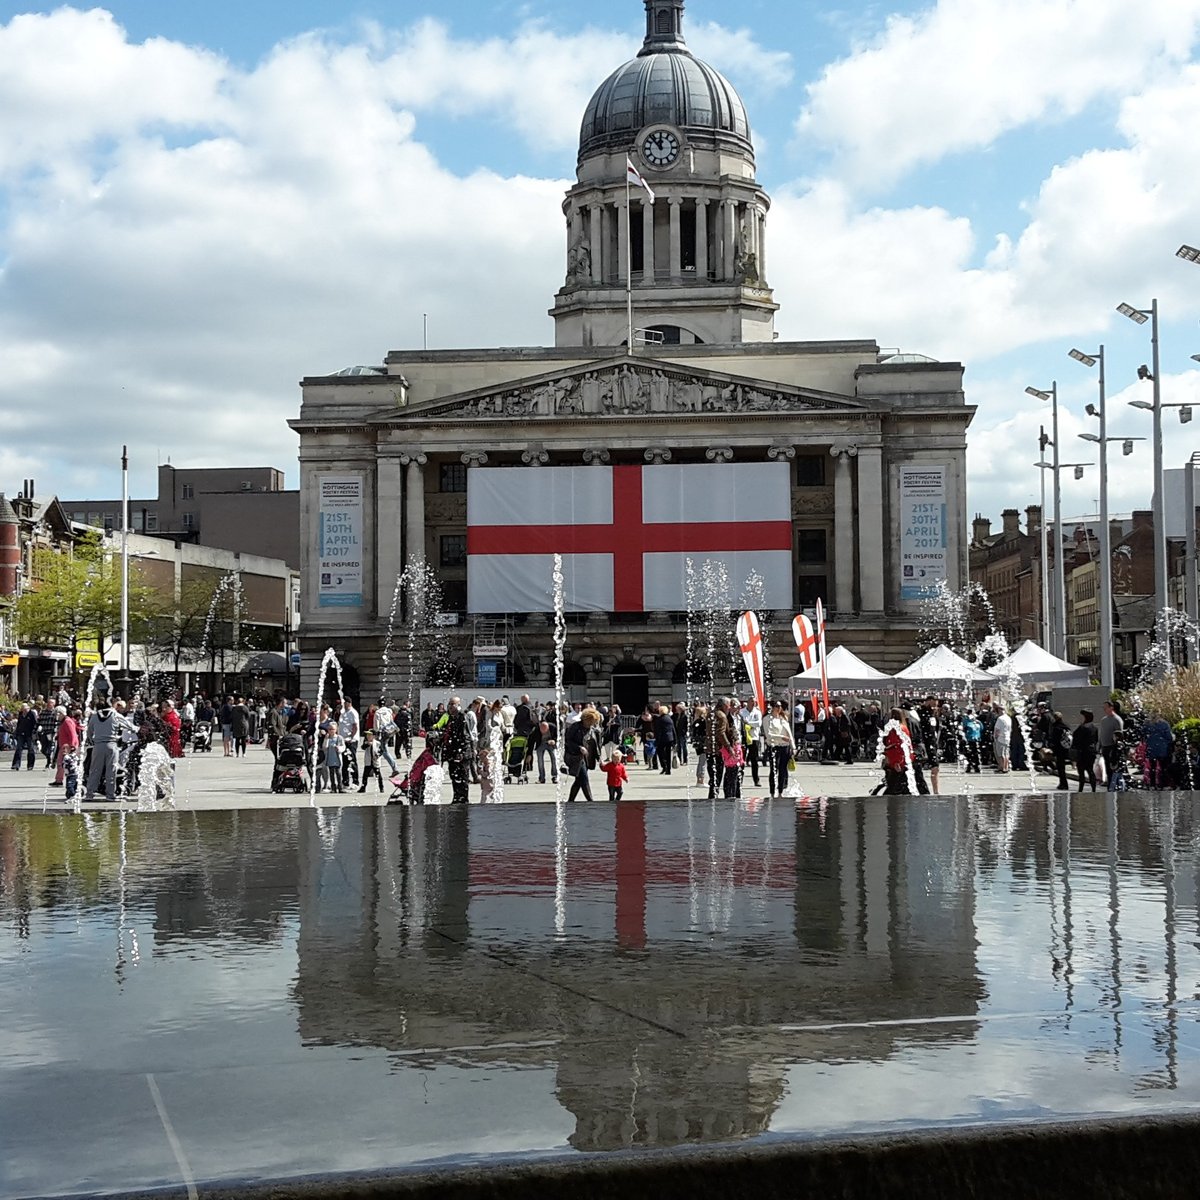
[
  {"x": 1107, "y": 658},
  {"x": 1043, "y": 464},
  {"x": 1060, "y": 574},
  {"x": 1191, "y": 589},
  {"x": 124, "y": 657},
  {"x": 1160, "y": 519}
]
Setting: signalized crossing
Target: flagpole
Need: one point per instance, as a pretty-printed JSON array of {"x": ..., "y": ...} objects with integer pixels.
[{"x": 628, "y": 259}]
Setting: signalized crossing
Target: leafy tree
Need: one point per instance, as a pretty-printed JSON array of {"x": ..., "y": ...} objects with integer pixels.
[
  {"x": 76, "y": 594},
  {"x": 177, "y": 631}
]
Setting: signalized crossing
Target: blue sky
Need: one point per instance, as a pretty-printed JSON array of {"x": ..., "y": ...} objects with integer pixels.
[{"x": 201, "y": 203}]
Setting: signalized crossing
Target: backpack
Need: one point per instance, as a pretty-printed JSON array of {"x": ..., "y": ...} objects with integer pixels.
[{"x": 1064, "y": 740}]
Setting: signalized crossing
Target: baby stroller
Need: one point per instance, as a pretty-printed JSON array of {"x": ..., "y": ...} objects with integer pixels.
[
  {"x": 412, "y": 786},
  {"x": 514, "y": 760},
  {"x": 290, "y": 761},
  {"x": 202, "y": 737}
]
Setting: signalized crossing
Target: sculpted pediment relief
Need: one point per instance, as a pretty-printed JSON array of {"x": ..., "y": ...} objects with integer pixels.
[{"x": 629, "y": 388}]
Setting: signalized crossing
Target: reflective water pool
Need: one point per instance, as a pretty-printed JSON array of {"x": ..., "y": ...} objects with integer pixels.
[{"x": 251, "y": 995}]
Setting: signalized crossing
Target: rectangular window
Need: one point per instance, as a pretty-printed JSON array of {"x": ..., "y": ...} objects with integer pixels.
[
  {"x": 189, "y": 520},
  {"x": 151, "y": 522},
  {"x": 810, "y": 545},
  {"x": 454, "y": 550},
  {"x": 137, "y": 520},
  {"x": 108, "y": 525},
  {"x": 453, "y": 477},
  {"x": 810, "y": 589},
  {"x": 189, "y": 492},
  {"x": 454, "y": 595},
  {"x": 810, "y": 470}
]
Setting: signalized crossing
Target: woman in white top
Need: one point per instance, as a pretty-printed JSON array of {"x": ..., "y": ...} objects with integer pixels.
[{"x": 781, "y": 746}]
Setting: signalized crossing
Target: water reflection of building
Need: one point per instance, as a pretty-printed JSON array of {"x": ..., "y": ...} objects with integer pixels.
[{"x": 666, "y": 979}]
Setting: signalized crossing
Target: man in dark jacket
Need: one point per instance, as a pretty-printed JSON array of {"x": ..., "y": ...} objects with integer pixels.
[
  {"x": 25, "y": 736},
  {"x": 457, "y": 748},
  {"x": 664, "y": 738}
]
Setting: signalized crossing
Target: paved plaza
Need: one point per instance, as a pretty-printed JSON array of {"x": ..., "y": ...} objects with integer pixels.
[{"x": 211, "y": 781}]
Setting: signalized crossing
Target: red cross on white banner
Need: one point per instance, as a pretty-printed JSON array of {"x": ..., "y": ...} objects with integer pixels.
[
  {"x": 629, "y": 536},
  {"x": 751, "y": 644},
  {"x": 807, "y": 642}
]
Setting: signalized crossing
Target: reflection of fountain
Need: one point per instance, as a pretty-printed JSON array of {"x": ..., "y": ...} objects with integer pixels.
[
  {"x": 560, "y": 819},
  {"x": 425, "y": 639}
]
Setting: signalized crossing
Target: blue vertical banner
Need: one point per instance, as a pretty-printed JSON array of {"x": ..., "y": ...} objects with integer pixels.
[
  {"x": 340, "y": 541},
  {"x": 924, "y": 535}
]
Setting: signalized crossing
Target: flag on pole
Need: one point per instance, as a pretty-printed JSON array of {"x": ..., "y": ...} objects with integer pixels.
[
  {"x": 750, "y": 641},
  {"x": 633, "y": 175},
  {"x": 807, "y": 642},
  {"x": 821, "y": 643}
]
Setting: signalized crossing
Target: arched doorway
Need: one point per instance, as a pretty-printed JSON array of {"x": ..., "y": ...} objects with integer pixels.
[{"x": 630, "y": 686}]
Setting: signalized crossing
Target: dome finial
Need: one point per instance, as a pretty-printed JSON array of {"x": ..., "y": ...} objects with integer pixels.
[{"x": 664, "y": 27}]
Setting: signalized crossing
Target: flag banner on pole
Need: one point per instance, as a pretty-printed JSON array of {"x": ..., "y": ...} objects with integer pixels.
[
  {"x": 625, "y": 534},
  {"x": 821, "y": 651},
  {"x": 634, "y": 176},
  {"x": 807, "y": 643},
  {"x": 750, "y": 641}
]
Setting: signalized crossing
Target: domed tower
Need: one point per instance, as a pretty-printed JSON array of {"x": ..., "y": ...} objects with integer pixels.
[{"x": 696, "y": 257}]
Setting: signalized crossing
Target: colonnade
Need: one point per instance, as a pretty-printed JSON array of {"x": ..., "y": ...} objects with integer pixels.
[{"x": 709, "y": 253}]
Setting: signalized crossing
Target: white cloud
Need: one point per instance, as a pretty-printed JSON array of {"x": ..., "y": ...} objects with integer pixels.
[
  {"x": 964, "y": 72},
  {"x": 738, "y": 54}
]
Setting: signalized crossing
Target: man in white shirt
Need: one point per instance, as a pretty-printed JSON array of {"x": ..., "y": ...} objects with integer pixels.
[
  {"x": 348, "y": 729},
  {"x": 1001, "y": 735},
  {"x": 752, "y": 718}
]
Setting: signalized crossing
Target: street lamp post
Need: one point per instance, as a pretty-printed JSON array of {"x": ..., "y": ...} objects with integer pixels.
[
  {"x": 1141, "y": 316},
  {"x": 1043, "y": 465},
  {"x": 125, "y": 565},
  {"x": 1191, "y": 586},
  {"x": 1107, "y": 665},
  {"x": 1059, "y": 645}
]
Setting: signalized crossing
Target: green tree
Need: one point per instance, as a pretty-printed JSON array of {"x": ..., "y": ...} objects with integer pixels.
[
  {"x": 176, "y": 631},
  {"x": 75, "y": 594}
]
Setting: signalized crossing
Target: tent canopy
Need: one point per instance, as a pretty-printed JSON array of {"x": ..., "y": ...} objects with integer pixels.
[
  {"x": 847, "y": 673},
  {"x": 940, "y": 668},
  {"x": 1036, "y": 666}
]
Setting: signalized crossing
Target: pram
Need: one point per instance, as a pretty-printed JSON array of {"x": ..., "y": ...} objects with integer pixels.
[
  {"x": 202, "y": 737},
  {"x": 412, "y": 785},
  {"x": 515, "y": 770},
  {"x": 290, "y": 761}
]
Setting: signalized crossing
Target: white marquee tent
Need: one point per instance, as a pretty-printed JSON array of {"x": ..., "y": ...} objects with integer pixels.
[
  {"x": 940, "y": 669},
  {"x": 1038, "y": 667},
  {"x": 847, "y": 673}
]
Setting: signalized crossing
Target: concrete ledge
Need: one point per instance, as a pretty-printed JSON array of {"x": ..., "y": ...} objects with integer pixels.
[{"x": 1112, "y": 1158}]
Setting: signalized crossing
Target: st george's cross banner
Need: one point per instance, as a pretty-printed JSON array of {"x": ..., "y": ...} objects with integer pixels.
[{"x": 625, "y": 534}]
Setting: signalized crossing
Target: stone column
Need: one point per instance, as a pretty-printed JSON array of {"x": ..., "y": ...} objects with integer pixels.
[
  {"x": 728, "y": 237},
  {"x": 702, "y": 240},
  {"x": 595, "y": 242},
  {"x": 762, "y": 246},
  {"x": 622, "y": 241},
  {"x": 388, "y": 507},
  {"x": 870, "y": 529},
  {"x": 414, "y": 517},
  {"x": 676, "y": 242},
  {"x": 647, "y": 243},
  {"x": 605, "y": 255},
  {"x": 843, "y": 530}
]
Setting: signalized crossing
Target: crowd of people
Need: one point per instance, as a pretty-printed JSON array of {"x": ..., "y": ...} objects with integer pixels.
[{"x": 488, "y": 742}]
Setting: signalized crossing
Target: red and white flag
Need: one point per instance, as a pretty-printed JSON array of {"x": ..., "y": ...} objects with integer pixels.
[
  {"x": 821, "y": 641},
  {"x": 750, "y": 641},
  {"x": 807, "y": 642},
  {"x": 625, "y": 534},
  {"x": 634, "y": 176}
]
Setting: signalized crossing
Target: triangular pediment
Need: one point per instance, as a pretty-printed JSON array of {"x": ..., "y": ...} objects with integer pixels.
[{"x": 625, "y": 387}]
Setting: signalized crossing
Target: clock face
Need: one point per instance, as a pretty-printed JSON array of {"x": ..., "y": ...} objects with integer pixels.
[{"x": 661, "y": 148}]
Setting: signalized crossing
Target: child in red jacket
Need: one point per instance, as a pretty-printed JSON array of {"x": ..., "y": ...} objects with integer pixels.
[{"x": 614, "y": 772}]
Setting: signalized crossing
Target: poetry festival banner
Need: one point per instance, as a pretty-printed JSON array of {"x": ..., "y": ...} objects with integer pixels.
[
  {"x": 340, "y": 541},
  {"x": 923, "y": 529},
  {"x": 625, "y": 534}
]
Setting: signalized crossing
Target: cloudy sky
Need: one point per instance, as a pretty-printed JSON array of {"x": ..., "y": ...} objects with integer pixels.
[{"x": 201, "y": 203}]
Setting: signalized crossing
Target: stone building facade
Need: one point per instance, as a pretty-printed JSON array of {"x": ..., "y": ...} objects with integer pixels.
[{"x": 705, "y": 381}]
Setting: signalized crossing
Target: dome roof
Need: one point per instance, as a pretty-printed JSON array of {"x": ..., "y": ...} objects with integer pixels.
[{"x": 666, "y": 84}]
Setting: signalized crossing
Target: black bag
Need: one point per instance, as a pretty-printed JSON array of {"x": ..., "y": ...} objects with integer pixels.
[{"x": 1064, "y": 741}]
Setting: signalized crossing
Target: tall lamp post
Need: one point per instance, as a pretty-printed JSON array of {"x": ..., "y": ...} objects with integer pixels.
[
  {"x": 1107, "y": 665},
  {"x": 1043, "y": 466},
  {"x": 1191, "y": 594},
  {"x": 1059, "y": 645},
  {"x": 1141, "y": 316}
]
